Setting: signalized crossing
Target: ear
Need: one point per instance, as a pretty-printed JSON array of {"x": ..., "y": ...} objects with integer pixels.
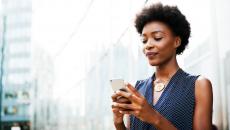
[{"x": 177, "y": 42}]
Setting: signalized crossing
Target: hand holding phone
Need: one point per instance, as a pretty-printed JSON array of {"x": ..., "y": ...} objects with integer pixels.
[{"x": 119, "y": 84}]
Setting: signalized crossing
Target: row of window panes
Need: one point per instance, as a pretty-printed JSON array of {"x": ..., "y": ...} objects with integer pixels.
[
  {"x": 18, "y": 40},
  {"x": 10, "y": 86},
  {"x": 18, "y": 63},
  {"x": 18, "y": 18},
  {"x": 18, "y": 78},
  {"x": 23, "y": 32},
  {"x": 20, "y": 110},
  {"x": 14, "y": 95},
  {"x": 12, "y": 4},
  {"x": 18, "y": 25},
  {"x": 20, "y": 55},
  {"x": 19, "y": 47}
]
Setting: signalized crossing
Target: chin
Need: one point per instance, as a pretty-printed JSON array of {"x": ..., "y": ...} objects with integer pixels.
[{"x": 153, "y": 63}]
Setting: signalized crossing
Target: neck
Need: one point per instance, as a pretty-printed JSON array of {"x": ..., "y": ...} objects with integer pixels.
[{"x": 167, "y": 70}]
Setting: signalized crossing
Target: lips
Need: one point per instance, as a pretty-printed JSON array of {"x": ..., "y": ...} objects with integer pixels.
[{"x": 151, "y": 54}]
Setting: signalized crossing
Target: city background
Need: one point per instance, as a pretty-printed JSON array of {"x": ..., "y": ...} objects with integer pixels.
[{"x": 57, "y": 57}]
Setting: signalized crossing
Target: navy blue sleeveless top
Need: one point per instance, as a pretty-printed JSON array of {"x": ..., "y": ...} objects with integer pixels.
[{"x": 176, "y": 102}]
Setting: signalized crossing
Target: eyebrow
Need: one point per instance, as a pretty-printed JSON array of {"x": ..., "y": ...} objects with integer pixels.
[{"x": 154, "y": 32}]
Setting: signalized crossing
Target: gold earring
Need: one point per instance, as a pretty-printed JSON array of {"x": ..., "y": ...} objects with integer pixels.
[
  {"x": 143, "y": 49},
  {"x": 178, "y": 43}
]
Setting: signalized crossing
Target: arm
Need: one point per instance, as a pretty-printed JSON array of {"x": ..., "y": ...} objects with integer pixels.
[
  {"x": 121, "y": 125},
  {"x": 140, "y": 108},
  {"x": 202, "y": 119}
]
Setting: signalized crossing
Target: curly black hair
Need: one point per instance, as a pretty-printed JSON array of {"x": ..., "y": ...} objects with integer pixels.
[{"x": 171, "y": 16}]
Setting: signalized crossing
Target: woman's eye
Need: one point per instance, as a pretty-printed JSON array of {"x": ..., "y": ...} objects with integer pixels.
[
  {"x": 158, "y": 39},
  {"x": 144, "y": 41}
]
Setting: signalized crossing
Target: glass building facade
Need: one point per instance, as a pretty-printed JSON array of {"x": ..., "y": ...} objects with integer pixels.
[{"x": 16, "y": 64}]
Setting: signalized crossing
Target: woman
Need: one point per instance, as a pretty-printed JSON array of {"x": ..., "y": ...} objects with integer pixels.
[{"x": 171, "y": 99}]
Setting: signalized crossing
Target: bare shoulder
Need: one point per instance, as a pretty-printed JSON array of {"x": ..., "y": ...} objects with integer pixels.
[
  {"x": 202, "y": 119},
  {"x": 203, "y": 87},
  {"x": 203, "y": 83}
]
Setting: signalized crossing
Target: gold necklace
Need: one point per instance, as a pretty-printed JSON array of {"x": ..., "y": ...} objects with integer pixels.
[{"x": 159, "y": 85}]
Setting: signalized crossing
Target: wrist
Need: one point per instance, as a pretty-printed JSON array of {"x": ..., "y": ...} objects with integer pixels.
[
  {"x": 155, "y": 119},
  {"x": 119, "y": 125},
  {"x": 118, "y": 122}
]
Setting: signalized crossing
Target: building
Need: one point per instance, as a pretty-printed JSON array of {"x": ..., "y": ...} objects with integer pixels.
[{"x": 16, "y": 64}]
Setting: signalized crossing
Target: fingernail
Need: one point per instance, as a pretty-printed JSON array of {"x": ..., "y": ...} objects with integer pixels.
[
  {"x": 121, "y": 112},
  {"x": 114, "y": 104}
]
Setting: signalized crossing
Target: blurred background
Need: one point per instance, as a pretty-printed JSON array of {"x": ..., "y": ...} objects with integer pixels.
[{"x": 57, "y": 57}]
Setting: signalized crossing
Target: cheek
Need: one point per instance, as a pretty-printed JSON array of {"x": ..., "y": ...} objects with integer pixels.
[
  {"x": 166, "y": 46},
  {"x": 166, "y": 50}
]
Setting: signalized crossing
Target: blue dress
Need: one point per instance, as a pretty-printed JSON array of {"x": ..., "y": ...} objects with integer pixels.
[{"x": 176, "y": 102}]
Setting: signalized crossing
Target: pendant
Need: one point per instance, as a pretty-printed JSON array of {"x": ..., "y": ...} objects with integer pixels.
[{"x": 158, "y": 87}]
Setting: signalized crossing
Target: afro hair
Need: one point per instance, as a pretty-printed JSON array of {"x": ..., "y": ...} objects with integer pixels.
[{"x": 169, "y": 15}]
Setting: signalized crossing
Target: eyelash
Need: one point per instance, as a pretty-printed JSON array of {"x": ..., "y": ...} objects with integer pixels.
[
  {"x": 144, "y": 41},
  {"x": 156, "y": 39}
]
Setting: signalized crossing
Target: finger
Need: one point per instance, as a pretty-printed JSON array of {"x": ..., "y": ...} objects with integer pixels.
[
  {"x": 135, "y": 113},
  {"x": 125, "y": 112},
  {"x": 129, "y": 112},
  {"x": 114, "y": 106},
  {"x": 128, "y": 95},
  {"x": 123, "y": 100},
  {"x": 117, "y": 109},
  {"x": 131, "y": 89},
  {"x": 126, "y": 106},
  {"x": 119, "y": 99},
  {"x": 114, "y": 96}
]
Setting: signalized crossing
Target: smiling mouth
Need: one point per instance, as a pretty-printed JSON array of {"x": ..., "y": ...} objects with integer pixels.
[{"x": 151, "y": 54}]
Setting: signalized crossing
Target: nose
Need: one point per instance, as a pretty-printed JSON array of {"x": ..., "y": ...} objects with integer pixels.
[{"x": 149, "y": 45}]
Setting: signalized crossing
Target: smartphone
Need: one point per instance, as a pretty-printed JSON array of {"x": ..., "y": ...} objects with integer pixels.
[{"x": 118, "y": 84}]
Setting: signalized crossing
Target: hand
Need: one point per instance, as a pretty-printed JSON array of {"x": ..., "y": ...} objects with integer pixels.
[
  {"x": 117, "y": 116},
  {"x": 139, "y": 107}
]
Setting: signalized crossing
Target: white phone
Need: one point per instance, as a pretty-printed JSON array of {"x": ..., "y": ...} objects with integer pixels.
[{"x": 117, "y": 84}]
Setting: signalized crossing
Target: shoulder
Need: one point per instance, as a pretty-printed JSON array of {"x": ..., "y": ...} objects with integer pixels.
[
  {"x": 200, "y": 82},
  {"x": 203, "y": 88},
  {"x": 203, "y": 83},
  {"x": 203, "y": 104}
]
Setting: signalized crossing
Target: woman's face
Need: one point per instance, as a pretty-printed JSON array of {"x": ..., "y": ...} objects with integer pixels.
[{"x": 159, "y": 43}]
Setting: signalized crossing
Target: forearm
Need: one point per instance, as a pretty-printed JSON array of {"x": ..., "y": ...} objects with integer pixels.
[
  {"x": 120, "y": 126},
  {"x": 160, "y": 122}
]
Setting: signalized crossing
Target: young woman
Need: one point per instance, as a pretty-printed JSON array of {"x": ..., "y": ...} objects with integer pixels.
[{"x": 171, "y": 99}]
